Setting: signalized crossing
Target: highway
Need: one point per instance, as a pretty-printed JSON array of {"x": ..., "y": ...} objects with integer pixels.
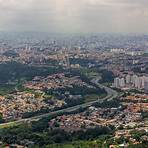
[{"x": 111, "y": 94}]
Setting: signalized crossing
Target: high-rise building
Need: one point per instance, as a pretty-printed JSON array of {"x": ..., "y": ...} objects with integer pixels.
[
  {"x": 146, "y": 86},
  {"x": 117, "y": 82},
  {"x": 128, "y": 79},
  {"x": 143, "y": 80},
  {"x": 133, "y": 78},
  {"x": 122, "y": 82},
  {"x": 138, "y": 82}
]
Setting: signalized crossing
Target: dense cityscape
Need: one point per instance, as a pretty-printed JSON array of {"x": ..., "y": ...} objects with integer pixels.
[
  {"x": 80, "y": 90},
  {"x": 73, "y": 74}
]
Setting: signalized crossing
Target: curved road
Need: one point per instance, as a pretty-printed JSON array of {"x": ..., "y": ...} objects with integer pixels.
[{"x": 111, "y": 94}]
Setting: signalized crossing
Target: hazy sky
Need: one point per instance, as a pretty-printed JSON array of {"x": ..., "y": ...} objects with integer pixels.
[{"x": 74, "y": 15}]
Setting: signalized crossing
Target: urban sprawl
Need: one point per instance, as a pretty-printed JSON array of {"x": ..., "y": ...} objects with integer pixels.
[{"x": 82, "y": 83}]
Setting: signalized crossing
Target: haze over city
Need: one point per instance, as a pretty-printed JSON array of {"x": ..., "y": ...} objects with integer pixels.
[
  {"x": 74, "y": 16},
  {"x": 73, "y": 73}
]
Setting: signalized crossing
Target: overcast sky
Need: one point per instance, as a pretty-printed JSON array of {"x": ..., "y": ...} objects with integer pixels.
[{"x": 74, "y": 16}]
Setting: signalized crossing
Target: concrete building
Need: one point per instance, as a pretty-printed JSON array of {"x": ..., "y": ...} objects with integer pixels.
[
  {"x": 146, "y": 86},
  {"x": 122, "y": 82},
  {"x": 117, "y": 82},
  {"x": 128, "y": 79}
]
